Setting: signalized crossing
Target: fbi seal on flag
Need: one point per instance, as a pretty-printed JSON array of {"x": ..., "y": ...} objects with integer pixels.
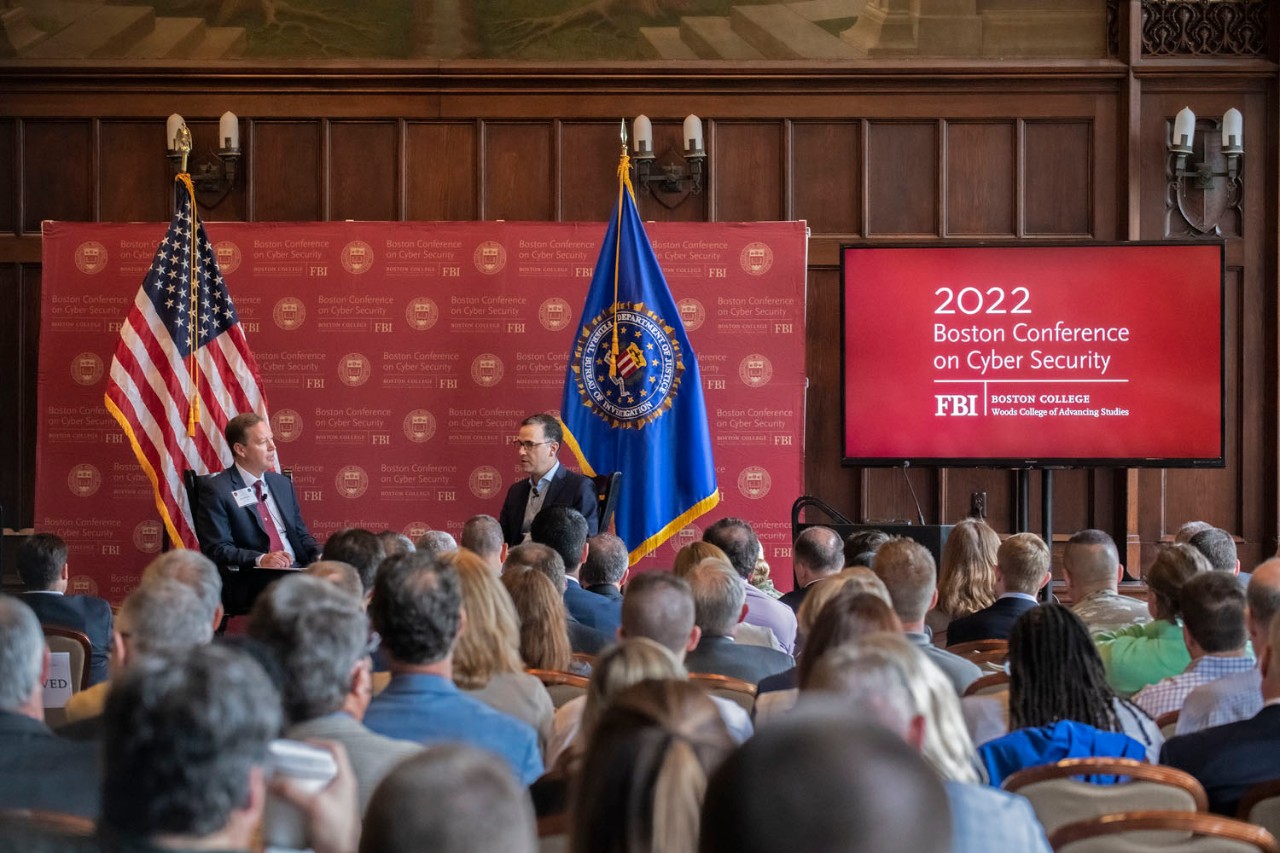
[{"x": 646, "y": 370}]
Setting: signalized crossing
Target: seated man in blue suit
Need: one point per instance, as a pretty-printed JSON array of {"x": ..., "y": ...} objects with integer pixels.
[
  {"x": 549, "y": 483},
  {"x": 43, "y": 567},
  {"x": 1022, "y": 569},
  {"x": 248, "y": 515},
  {"x": 564, "y": 531}
]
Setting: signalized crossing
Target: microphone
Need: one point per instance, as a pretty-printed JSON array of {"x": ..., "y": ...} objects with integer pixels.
[{"x": 919, "y": 512}]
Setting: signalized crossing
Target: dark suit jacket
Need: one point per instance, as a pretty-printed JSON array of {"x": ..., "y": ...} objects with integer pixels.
[
  {"x": 596, "y": 611},
  {"x": 233, "y": 535},
  {"x": 568, "y": 488},
  {"x": 722, "y": 656},
  {"x": 81, "y": 613},
  {"x": 39, "y": 770},
  {"x": 1229, "y": 759},
  {"x": 795, "y": 598},
  {"x": 587, "y": 640},
  {"x": 990, "y": 623},
  {"x": 608, "y": 590}
]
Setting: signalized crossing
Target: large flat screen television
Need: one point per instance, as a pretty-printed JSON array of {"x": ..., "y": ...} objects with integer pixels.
[{"x": 1018, "y": 355}]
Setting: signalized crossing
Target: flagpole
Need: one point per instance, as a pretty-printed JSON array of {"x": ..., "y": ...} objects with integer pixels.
[
  {"x": 624, "y": 184},
  {"x": 193, "y": 303}
]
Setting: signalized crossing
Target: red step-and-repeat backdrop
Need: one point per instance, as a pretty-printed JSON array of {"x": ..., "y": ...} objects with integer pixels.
[{"x": 398, "y": 360}]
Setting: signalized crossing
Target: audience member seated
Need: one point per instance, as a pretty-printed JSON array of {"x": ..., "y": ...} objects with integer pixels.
[
  {"x": 1091, "y": 566},
  {"x": 163, "y": 617},
  {"x": 194, "y": 569},
  {"x": 762, "y": 576},
  {"x": 433, "y": 543},
  {"x": 1059, "y": 703},
  {"x": 1238, "y": 696},
  {"x": 858, "y": 789},
  {"x": 818, "y": 553},
  {"x": 645, "y": 768},
  {"x": 564, "y": 530},
  {"x": 359, "y": 548},
  {"x": 342, "y": 575},
  {"x": 451, "y": 799},
  {"x": 486, "y": 660},
  {"x": 1230, "y": 759},
  {"x": 394, "y": 542},
  {"x": 908, "y": 572},
  {"x": 45, "y": 573},
  {"x": 1022, "y": 570},
  {"x": 540, "y": 558},
  {"x": 320, "y": 636},
  {"x": 738, "y": 541},
  {"x": 887, "y": 679},
  {"x": 1219, "y": 548},
  {"x": 38, "y": 769},
  {"x": 1143, "y": 654},
  {"x": 185, "y": 760},
  {"x": 1213, "y": 629},
  {"x": 417, "y": 611},
  {"x": 860, "y": 547},
  {"x": 697, "y": 551},
  {"x": 482, "y": 535},
  {"x": 850, "y": 615},
  {"x": 966, "y": 574},
  {"x": 544, "y": 633},
  {"x": 606, "y": 566},
  {"x": 719, "y": 599}
]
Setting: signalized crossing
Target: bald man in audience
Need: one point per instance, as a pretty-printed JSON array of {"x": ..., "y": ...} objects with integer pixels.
[
  {"x": 436, "y": 542},
  {"x": 818, "y": 553},
  {"x": 482, "y": 535},
  {"x": 1091, "y": 565}
]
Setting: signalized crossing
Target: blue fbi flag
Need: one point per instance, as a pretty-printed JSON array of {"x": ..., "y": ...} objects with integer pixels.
[{"x": 633, "y": 392}]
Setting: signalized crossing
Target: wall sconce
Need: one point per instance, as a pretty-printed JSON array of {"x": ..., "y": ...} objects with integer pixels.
[
  {"x": 673, "y": 177},
  {"x": 1198, "y": 162},
  {"x": 212, "y": 179}
]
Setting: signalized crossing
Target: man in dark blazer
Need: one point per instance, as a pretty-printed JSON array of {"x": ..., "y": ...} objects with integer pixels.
[
  {"x": 1229, "y": 759},
  {"x": 1022, "y": 569},
  {"x": 43, "y": 567},
  {"x": 38, "y": 769},
  {"x": 605, "y": 567},
  {"x": 564, "y": 530},
  {"x": 548, "y": 483},
  {"x": 719, "y": 603}
]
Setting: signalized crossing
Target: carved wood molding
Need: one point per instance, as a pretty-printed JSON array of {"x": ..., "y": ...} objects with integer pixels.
[{"x": 1204, "y": 27}]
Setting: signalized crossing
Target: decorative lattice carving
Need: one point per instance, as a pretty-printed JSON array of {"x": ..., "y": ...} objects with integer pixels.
[{"x": 1204, "y": 27}]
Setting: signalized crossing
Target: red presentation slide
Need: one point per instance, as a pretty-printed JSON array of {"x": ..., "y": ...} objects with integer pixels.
[{"x": 1033, "y": 355}]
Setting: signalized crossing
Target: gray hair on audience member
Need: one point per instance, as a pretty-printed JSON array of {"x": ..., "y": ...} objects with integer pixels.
[
  {"x": 718, "y": 596},
  {"x": 319, "y": 633},
  {"x": 482, "y": 534},
  {"x": 871, "y": 684},
  {"x": 395, "y": 542},
  {"x": 342, "y": 575},
  {"x": 21, "y": 652},
  {"x": 477, "y": 806},
  {"x": 539, "y": 558},
  {"x": 436, "y": 542},
  {"x": 1189, "y": 529},
  {"x": 1218, "y": 548},
  {"x": 180, "y": 737},
  {"x": 164, "y": 616},
  {"x": 607, "y": 560},
  {"x": 193, "y": 569}
]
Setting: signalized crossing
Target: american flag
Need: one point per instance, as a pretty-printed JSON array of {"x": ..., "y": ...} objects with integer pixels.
[{"x": 149, "y": 391}]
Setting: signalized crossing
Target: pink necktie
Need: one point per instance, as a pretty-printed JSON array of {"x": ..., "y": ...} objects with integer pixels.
[{"x": 265, "y": 515}]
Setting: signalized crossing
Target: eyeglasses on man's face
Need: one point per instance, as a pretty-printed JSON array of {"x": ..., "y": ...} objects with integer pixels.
[{"x": 529, "y": 445}]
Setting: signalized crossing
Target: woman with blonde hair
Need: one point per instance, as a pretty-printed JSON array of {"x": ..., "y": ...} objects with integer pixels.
[
  {"x": 645, "y": 771},
  {"x": 693, "y": 554},
  {"x": 544, "y": 630},
  {"x": 486, "y": 657},
  {"x": 966, "y": 575}
]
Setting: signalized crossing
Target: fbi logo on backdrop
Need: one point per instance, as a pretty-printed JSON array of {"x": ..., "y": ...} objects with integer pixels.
[
  {"x": 354, "y": 369},
  {"x": 357, "y": 257},
  {"x": 84, "y": 480},
  {"x": 756, "y": 258},
  {"x": 755, "y": 371},
  {"x": 289, "y": 313},
  {"x": 352, "y": 482},
  {"x": 692, "y": 313},
  {"x": 490, "y": 257},
  {"x": 642, "y": 382},
  {"x": 421, "y": 313},
  {"x": 91, "y": 257},
  {"x": 419, "y": 426},
  {"x": 554, "y": 314},
  {"x": 486, "y": 370},
  {"x": 86, "y": 368},
  {"x": 228, "y": 255},
  {"x": 286, "y": 425},
  {"x": 754, "y": 482},
  {"x": 485, "y": 482},
  {"x": 147, "y": 537}
]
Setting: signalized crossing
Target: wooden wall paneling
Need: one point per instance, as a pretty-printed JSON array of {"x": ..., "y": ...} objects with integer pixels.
[
  {"x": 19, "y": 331},
  {"x": 901, "y": 176},
  {"x": 981, "y": 169},
  {"x": 963, "y": 482},
  {"x": 232, "y": 207},
  {"x": 824, "y": 477},
  {"x": 441, "y": 165},
  {"x": 666, "y": 141},
  {"x": 887, "y": 497},
  {"x": 9, "y": 167},
  {"x": 135, "y": 181},
  {"x": 824, "y": 176},
  {"x": 364, "y": 170},
  {"x": 589, "y": 153},
  {"x": 57, "y": 168},
  {"x": 1058, "y": 179},
  {"x": 746, "y": 164},
  {"x": 284, "y": 171},
  {"x": 517, "y": 160}
]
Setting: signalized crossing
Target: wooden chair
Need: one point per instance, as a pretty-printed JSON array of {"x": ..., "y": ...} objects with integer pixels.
[
  {"x": 76, "y": 644},
  {"x": 1162, "y": 832},
  {"x": 1260, "y": 806},
  {"x": 982, "y": 651},
  {"x": 1168, "y": 723},
  {"x": 584, "y": 658},
  {"x": 28, "y": 831},
  {"x": 996, "y": 682},
  {"x": 563, "y": 686},
  {"x": 1065, "y": 792},
  {"x": 733, "y": 689},
  {"x": 553, "y": 833},
  {"x": 606, "y": 498}
]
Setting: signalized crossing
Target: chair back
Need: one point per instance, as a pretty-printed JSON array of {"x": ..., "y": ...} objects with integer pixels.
[
  {"x": 1168, "y": 723},
  {"x": 733, "y": 689},
  {"x": 996, "y": 682},
  {"x": 982, "y": 651},
  {"x": 606, "y": 497},
  {"x": 562, "y": 686},
  {"x": 1162, "y": 832},
  {"x": 553, "y": 833},
  {"x": 1260, "y": 806},
  {"x": 30, "y": 831},
  {"x": 76, "y": 643},
  {"x": 1067, "y": 791}
]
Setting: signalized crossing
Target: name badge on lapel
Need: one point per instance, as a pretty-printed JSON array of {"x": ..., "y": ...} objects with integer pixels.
[{"x": 244, "y": 497}]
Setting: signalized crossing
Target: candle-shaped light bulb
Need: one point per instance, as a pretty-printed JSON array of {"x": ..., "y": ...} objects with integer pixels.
[
  {"x": 1232, "y": 132},
  {"x": 642, "y": 136},
  {"x": 693, "y": 135},
  {"x": 229, "y": 131},
  {"x": 1184, "y": 131},
  {"x": 171, "y": 131}
]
